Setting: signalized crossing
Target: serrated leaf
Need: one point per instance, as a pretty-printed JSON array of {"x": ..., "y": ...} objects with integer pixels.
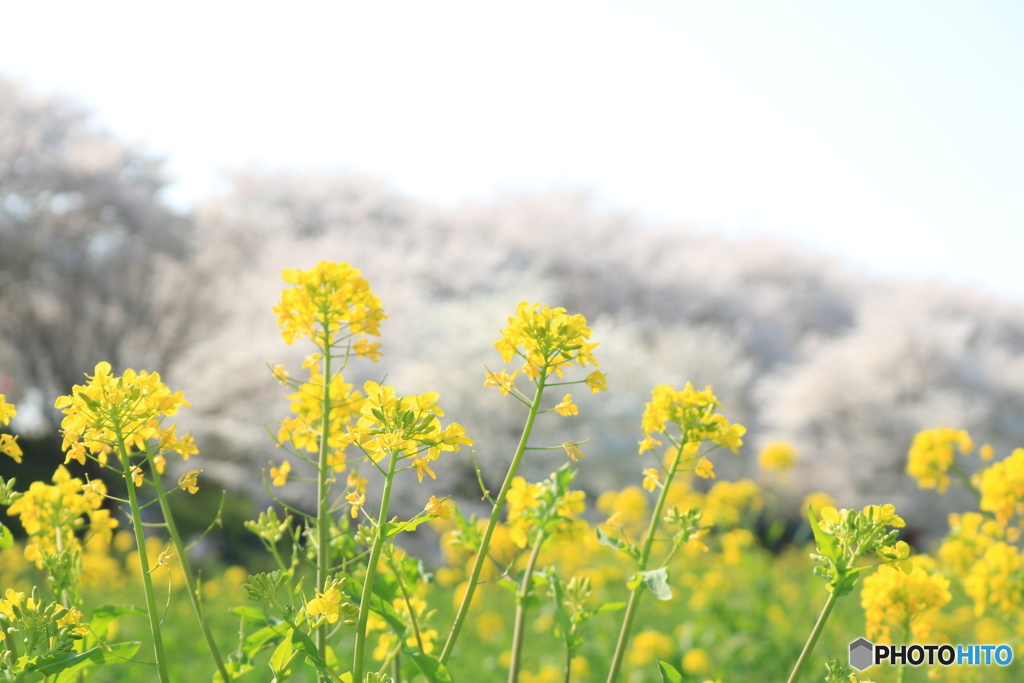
[
  {"x": 656, "y": 581},
  {"x": 431, "y": 668},
  {"x": 669, "y": 674}
]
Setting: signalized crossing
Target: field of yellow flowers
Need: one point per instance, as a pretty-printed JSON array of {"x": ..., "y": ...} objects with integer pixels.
[{"x": 678, "y": 576}]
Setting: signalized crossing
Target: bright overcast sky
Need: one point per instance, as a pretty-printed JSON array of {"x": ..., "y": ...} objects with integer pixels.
[{"x": 892, "y": 132}]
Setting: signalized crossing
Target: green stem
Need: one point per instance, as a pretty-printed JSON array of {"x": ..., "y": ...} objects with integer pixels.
[
  {"x": 499, "y": 503},
  {"x": 371, "y": 572},
  {"x": 408, "y": 605},
  {"x": 813, "y": 638},
  {"x": 147, "y": 583},
  {"x": 520, "y": 620},
  {"x": 324, "y": 518},
  {"x": 190, "y": 582},
  {"x": 645, "y": 556}
]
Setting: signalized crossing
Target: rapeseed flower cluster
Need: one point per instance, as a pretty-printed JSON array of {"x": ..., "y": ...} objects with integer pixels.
[
  {"x": 110, "y": 410},
  {"x": 548, "y": 340},
  {"x": 777, "y": 456},
  {"x": 8, "y": 443},
  {"x": 895, "y": 598},
  {"x": 405, "y": 427},
  {"x": 1002, "y": 487},
  {"x": 547, "y": 506},
  {"x": 996, "y": 579},
  {"x": 932, "y": 455},
  {"x": 325, "y": 299},
  {"x": 304, "y": 430},
  {"x": 693, "y": 413},
  {"x": 53, "y": 515}
]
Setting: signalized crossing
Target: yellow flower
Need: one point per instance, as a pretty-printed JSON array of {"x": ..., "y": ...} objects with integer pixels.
[
  {"x": 705, "y": 469},
  {"x": 818, "y": 501},
  {"x": 931, "y": 455},
  {"x": 109, "y": 409},
  {"x": 438, "y": 508},
  {"x": 648, "y": 646},
  {"x": 357, "y": 500},
  {"x": 137, "y": 476},
  {"x": 647, "y": 444},
  {"x": 547, "y": 338},
  {"x": 189, "y": 481},
  {"x": 894, "y": 598},
  {"x": 987, "y": 452},
  {"x": 777, "y": 456},
  {"x": 326, "y": 604},
  {"x": 504, "y": 381},
  {"x": 886, "y": 514},
  {"x": 356, "y": 482},
  {"x": 280, "y": 373},
  {"x": 7, "y": 410},
  {"x": 567, "y": 407},
  {"x": 572, "y": 449},
  {"x": 596, "y": 381},
  {"x": 323, "y": 299},
  {"x": 9, "y": 446},
  {"x": 279, "y": 475},
  {"x": 1002, "y": 487},
  {"x": 650, "y": 479},
  {"x": 693, "y": 413},
  {"x": 696, "y": 662}
]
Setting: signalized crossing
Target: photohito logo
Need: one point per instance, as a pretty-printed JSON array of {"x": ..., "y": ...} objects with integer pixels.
[{"x": 864, "y": 654}]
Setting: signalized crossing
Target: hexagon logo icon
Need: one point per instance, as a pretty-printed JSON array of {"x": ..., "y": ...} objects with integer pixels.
[{"x": 861, "y": 654}]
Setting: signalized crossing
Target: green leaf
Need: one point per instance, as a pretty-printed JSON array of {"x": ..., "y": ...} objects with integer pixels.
[
  {"x": 6, "y": 538},
  {"x": 250, "y": 615},
  {"x": 611, "y": 607},
  {"x": 669, "y": 674},
  {"x": 58, "y": 661},
  {"x": 306, "y": 646},
  {"x": 827, "y": 545},
  {"x": 609, "y": 541},
  {"x": 279, "y": 661},
  {"x": 103, "y": 615},
  {"x": 431, "y": 668},
  {"x": 561, "y": 615},
  {"x": 410, "y": 525},
  {"x": 657, "y": 581},
  {"x": 119, "y": 652}
]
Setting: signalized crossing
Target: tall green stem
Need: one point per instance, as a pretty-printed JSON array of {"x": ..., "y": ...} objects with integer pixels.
[
  {"x": 324, "y": 518},
  {"x": 147, "y": 583},
  {"x": 190, "y": 582},
  {"x": 645, "y": 556},
  {"x": 520, "y": 621},
  {"x": 371, "y": 572},
  {"x": 813, "y": 638},
  {"x": 499, "y": 503}
]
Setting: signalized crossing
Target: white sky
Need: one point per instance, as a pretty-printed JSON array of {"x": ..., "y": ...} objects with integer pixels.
[{"x": 892, "y": 132}]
